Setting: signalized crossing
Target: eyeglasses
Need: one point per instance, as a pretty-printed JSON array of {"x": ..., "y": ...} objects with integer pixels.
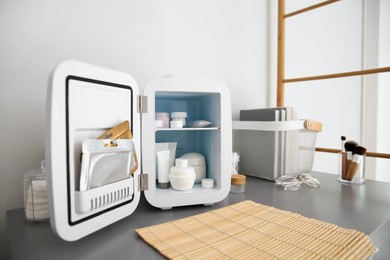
[{"x": 293, "y": 183}]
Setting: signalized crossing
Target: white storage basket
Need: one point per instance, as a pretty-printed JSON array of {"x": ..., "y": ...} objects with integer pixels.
[{"x": 272, "y": 149}]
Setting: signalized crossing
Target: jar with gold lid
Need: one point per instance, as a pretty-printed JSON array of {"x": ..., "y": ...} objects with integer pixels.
[{"x": 238, "y": 183}]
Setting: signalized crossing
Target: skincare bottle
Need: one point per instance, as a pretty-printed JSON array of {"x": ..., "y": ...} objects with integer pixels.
[{"x": 182, "y": 176}]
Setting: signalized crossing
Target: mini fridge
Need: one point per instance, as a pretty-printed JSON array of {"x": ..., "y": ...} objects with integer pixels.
[{"x": 85, "y": 100}]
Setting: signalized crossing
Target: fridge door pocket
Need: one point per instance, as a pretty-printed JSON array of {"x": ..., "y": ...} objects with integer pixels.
[
  {"x": 105, "y": 174},
  {"x": 105, "y": 196}
]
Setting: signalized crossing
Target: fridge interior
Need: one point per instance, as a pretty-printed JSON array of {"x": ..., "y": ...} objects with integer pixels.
[{"x": 204, "y": 140}]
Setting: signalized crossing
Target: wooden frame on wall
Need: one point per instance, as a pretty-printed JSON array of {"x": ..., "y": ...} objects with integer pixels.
[{"x": 281, "y": 80}]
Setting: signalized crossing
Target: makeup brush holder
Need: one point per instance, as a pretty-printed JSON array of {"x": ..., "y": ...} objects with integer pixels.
[{"x": 350, "y": 171}]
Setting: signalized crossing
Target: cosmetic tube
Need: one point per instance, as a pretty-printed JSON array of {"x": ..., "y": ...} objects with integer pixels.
[
  {"x": 168, "y": 146},
  {"x": 163, "y": 169}
]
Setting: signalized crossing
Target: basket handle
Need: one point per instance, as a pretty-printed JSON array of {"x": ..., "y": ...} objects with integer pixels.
[{"x": 313, "y": 125}]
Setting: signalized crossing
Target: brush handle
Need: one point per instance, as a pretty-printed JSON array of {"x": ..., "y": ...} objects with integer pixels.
[
  {"x": 344, "y": 166},
  {"x": 352, "y": 169},
  {"x": 368, "y": 154},
  {"x": 357, "y": 158},
  {"x": 349, "y": 159}
]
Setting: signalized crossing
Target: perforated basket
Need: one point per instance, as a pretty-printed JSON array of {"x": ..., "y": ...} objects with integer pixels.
[{"x": 272, "y": 149}]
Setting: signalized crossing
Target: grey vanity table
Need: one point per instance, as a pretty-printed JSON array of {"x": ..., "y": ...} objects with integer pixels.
[{"x": 362, "y": 207}]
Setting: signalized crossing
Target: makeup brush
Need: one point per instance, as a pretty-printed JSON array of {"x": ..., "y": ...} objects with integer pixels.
[
  {"x": 349, "y": 147},
  {"x": 343, "y": 138},
  {"x": 343, "y": 158},
  {"x": 358, "y": 153}
]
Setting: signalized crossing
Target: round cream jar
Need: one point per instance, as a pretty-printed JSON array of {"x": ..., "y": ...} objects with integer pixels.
[
  {"x": 181, "y": 175},
  {"x": 197, "y": 161},
  {"x": 180, "y": 116}
]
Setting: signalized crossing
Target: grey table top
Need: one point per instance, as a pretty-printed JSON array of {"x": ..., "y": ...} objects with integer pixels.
[{"x": 361, "y": 207}]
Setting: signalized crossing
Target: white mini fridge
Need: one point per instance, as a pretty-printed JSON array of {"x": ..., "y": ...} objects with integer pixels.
[{"x": 85, "y": 100}]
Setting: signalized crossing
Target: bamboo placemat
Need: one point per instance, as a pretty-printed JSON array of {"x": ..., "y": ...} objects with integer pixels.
[{"x": 248, "y": 230}]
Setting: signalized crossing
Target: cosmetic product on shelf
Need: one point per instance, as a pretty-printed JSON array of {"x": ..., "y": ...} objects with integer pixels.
[
  {"x": 180, "y": 116},
  {"x": 182, "y": 176},
  {"x": 197, "y": 161},
  {"x": 164, "y": 117}
]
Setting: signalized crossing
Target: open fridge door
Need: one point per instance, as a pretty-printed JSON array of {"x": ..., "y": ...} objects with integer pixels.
[{"x": 84, "y": 101}]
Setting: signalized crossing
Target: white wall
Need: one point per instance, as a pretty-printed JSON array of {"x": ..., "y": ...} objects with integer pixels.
[
  {"x": 383, "y": 137},
  {"x": 324, "y": 41},
  {"x": 220, "y": 39},
  {"x": 370, "y": 82},
  {"x": 344, "y": 36}
]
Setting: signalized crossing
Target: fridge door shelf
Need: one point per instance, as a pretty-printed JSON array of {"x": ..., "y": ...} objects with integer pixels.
[{"x": 103, "y": 197}]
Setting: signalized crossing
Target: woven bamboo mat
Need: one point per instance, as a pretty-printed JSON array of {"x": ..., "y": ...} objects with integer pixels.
[{"x": 248, "y": 230}]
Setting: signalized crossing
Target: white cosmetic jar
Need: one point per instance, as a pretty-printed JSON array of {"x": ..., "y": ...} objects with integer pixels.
[
  {"x": 207, "y": 183},
  {"x": 164, "y": 117},
  {"x": 181, "y": 175},
  {"x": 179, "y": 116},
  {"x": 197, "y": 161},
  {"x": 176, "y": 124}
]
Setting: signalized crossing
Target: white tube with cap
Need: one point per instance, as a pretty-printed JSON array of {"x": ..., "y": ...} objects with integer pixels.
[{"x": 163, "y": 169}]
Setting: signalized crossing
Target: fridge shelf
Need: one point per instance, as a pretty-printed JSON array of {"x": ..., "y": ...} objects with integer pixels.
[
  {"x": 195, "y": 190},
  {"x": 190, "y": 129}
]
